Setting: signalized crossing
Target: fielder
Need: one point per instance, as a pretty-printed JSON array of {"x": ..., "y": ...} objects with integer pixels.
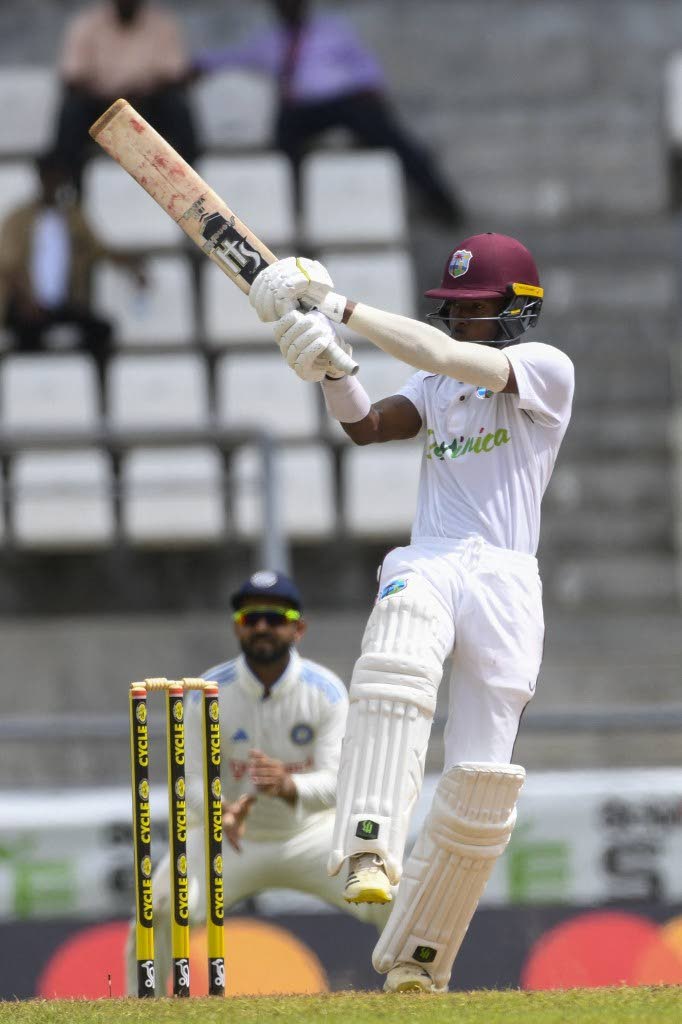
[
  {"x": 283, "y": 719},
  {"x": 494, "y": 409}
]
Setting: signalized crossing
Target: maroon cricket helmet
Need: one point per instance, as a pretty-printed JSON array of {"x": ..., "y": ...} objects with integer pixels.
[
  {"x": 491, "y": 266},
  {"x": 484, "y": 266}
]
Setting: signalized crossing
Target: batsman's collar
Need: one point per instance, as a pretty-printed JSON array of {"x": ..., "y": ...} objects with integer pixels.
[{"x": 266, "y": 586}]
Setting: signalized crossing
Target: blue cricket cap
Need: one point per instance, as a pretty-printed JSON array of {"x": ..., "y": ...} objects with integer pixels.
[{"x": 266, "y": 585}]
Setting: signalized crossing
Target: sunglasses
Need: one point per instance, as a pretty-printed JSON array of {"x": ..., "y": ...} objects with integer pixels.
[{"x": 273, "y": 616}]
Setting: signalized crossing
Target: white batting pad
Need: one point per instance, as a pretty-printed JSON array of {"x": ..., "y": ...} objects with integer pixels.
[
  {"x": 392, "y": 702},
  {"x": 467, "y": 829}
]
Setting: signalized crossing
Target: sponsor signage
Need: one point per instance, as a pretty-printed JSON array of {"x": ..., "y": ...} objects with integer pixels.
[{"x": 581, "y": 838}]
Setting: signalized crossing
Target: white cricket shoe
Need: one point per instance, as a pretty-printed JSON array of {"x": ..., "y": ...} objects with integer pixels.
[
  {"x": 367, "y": 881},
  {"x": 409, "y": 978}
]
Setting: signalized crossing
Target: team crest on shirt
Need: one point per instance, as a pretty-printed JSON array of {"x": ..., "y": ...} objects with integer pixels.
[
  {"x": 394, "y": 587},
  {"x": 459, "y": 262},
  {"x": 301, "y": 733}
]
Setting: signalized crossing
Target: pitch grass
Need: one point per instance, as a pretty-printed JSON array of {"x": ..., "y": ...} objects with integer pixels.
[{"x": 659, "y": 1005}]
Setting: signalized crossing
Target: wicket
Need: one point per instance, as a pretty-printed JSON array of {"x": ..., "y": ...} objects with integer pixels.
[{"x": 177, "y": 812}]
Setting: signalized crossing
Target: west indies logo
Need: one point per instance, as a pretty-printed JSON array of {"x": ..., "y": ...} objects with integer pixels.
[
  {"x": 459, "y": 262},
  {"x": 443, "y": 450}
]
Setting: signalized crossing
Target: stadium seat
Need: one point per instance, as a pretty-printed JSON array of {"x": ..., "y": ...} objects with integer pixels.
[
  {"x": 18, "y": 184},
  {"x": 121, "y": 213},
  {"x": 355, "y": 198},
  {"x": 172, "y": 496},
  {"x": 227, "y": 316},
  {"x": 258, "y": 189},
  {"x": 380, "y": 488},
  {"x": 235, "y": 108},
  {"x": 62, "y": 499},
  {"x": 157, "y": 392},
  {"x": 49, "y": 392},
  {"x": 29, "y": 97},
  {"x": 160, "y": 314},
  {"x": 260, "y": 392},
  {"x": 382, "y": 279},
  {"x": 304, "y": 481},
  {"x": 672, "y": 107}
]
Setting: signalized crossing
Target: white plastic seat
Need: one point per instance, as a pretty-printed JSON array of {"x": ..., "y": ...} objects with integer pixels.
[
  {"x": 385, "y": 280},
  {"x": 172, "y": 496},
  {"x": 380, "y": 487},
  {"x": 162, "y": 313},
  {"x": 157, "y": 392},
  {"x": 235, "y": 108},
  {"x": 29, "y": 97},
  {"x": 62, "y": 499},
  {"x": 305, "y": 482},
  {"x": 121, "y": 212},
  {"x": 355, "y": 198},
  {"x": 49, "y": 392},
  {"x": 228, "y": 317},
  {"x": 258, "y": 189},
  {"x": 18, "y": 184},
  {"x": 672, "y": 107},
  {"x": 260, "y": 392}
]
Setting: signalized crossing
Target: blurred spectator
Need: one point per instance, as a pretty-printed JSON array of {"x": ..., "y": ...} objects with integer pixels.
[
  {"x": 123, "y": 48},
  {"x": 327, "y": 79},
  {"x": 47, "y": 253}
]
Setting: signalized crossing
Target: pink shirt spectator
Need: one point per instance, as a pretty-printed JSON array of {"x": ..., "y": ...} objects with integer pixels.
[
  {"x": 109, "y": 58},
  {"x": 329, "y": 60}
]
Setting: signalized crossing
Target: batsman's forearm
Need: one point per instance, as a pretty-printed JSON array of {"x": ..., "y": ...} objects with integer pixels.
[{"x": 427, "y": 348}]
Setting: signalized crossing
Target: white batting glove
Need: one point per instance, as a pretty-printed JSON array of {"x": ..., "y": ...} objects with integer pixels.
[
  {"x": 305, "y": 340},
  {"x": 284, "y": 285}
]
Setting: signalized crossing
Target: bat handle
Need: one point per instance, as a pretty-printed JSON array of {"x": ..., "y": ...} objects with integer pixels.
[{"x": 341, "y": 361}]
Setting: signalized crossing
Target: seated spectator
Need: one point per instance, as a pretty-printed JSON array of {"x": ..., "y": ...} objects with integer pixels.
[
  {"x": 123, "y": 48},
  {"x": 328, "y": 78},
  {"x": 47, "y": 253}
]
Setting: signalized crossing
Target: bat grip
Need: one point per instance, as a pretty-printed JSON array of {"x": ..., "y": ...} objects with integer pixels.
[{"x": 341, "y": 361}]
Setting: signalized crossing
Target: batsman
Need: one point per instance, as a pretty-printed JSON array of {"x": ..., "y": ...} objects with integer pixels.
[{"x": 493, "y": 408}]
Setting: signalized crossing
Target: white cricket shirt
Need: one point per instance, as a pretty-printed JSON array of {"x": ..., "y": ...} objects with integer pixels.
[
  {"x": 302, "y": 723},
  {"x": 487, "y": 460}
]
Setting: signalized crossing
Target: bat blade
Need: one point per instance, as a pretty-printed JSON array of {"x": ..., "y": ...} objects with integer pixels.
[
  {"x": 181, "y": 192},
  {"x": 177, "y": 188}
]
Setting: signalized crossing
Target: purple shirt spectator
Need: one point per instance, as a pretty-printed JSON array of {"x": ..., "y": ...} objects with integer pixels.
[{"x": 330, "y": 60}]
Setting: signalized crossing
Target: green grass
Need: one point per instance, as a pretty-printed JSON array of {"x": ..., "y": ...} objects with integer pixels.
[{"x": 660, "y": 1005}]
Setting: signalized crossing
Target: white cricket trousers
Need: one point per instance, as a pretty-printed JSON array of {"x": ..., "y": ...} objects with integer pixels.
[
  {"x": 492, "y": 622},
  {"x": 299, "y": 863}
]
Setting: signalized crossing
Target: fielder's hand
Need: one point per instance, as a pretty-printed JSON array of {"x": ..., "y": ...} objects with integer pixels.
[
  {"x": 310, "y": 345},
  {"x": 234, "y": 820},
  {"x": 271, "y": 777},
  {"x": 283, "y": 285}
]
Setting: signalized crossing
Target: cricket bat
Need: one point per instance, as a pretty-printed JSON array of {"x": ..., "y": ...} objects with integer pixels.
[{"x": 185, "y": 196}]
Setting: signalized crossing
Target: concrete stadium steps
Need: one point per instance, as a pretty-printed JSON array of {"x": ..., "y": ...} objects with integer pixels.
[{"x": 84, "y": 664}]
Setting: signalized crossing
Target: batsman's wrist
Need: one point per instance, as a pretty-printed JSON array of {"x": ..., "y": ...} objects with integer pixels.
[{"x": 333, "y": 306}]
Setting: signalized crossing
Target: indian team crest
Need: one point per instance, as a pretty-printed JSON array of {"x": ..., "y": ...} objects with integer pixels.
[
  {"x": 459, "y": 262},
  {"x": 302, "y": 733}
]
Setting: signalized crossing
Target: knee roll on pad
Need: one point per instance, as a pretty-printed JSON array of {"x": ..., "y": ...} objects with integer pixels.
[
  {"x": 467, "y": 829},
  {"x": 392, "y": 701}
]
